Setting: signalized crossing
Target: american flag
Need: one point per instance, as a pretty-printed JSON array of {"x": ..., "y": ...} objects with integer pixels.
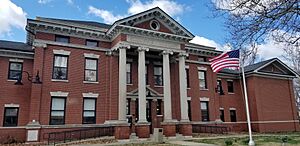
[{"x": 226, "y": 60}]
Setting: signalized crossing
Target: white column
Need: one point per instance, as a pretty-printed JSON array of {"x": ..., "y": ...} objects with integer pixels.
[
  {"x": 183, "y": 88},
  {"x": 167, "y": 87},
  {"x": 122, "y": 83},
  {"x": 142, "y": 85}
]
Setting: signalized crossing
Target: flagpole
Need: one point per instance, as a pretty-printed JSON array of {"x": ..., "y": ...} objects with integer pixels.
[{"x": 251, "y": 142}]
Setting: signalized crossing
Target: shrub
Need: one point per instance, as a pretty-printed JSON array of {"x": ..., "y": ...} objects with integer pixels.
[{"x": 228, "y": 142}]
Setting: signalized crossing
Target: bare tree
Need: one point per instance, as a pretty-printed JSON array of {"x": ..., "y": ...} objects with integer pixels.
[
  {"x": 251, "y": 22},
  {"x": 292, "y": 55}
]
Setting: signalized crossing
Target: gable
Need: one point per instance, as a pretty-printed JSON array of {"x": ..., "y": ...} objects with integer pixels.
[
  {"x": 147, "y": 25},
  {"x": 276, "y": 67},
  {"x": 141, "y": 21}
]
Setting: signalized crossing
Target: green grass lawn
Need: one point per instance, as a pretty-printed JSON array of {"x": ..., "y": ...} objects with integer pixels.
[{"x": 260, "y": 140}]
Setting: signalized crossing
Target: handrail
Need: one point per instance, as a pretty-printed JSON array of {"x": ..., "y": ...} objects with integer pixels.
[
  {"x": 73, "y": 135},
  {"x": 197, "y": 128}
]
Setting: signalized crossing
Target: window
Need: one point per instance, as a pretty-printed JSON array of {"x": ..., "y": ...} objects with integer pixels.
[
  {"x": 158, "y": 107},
  {"x": 91, "y": 70},
  {"x": 232, "y": 115},
  {"x": 62, "y": 39},
  {"x": 91, "y": 43},
  {"x": 219, "y": 86},
  {"x": 189, "y": 110},
  {"x": 148, "y": 110},
  {"x": 89, "y": 111},
  {"x": 128, "y": 73},
  {"x": 60, "y": 67},
  {"x": 10, "y": 116},
  {"x": 230, "y": 86},
  {"x": 57, "y": 113},
  {"x": 222, "y": 115},
  {"x": 187, "y": 78},
  {"x": 158, "y": 75},
  {"x": 201, "y": 59},
  {"x": 128, "y": 106},
  {"x": 15, "y": 70},
  {"x": 202, "y": 79},
  {"x": 204, "y": 111}
]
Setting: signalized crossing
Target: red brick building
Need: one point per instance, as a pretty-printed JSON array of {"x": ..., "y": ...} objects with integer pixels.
[{"x": 140, "y": 68}]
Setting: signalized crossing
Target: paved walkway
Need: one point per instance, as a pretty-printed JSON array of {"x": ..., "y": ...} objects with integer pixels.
[{"x": 188, "y": 143}]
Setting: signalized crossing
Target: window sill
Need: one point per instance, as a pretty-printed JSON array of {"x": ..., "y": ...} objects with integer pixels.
[
  {"x": 204, "y": 89},
  {"x": 10, "y": 80},
  {"x": 56, "y": 80},
  {"x": 90, "y": 82},
  {"x": 159, "y": 115},
  {"x": 158, "y": 86},
  {"x": 188, "y": 88},
  {"x": 129, "y": 84},
  {"x": 230, "y": 93}
]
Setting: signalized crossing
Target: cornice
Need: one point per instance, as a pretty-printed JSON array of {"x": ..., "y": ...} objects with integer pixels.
[
  {"x": 70, "y": 45},
  {"x": 16, "y": 54},
  {"x": 70, "y": 30}
]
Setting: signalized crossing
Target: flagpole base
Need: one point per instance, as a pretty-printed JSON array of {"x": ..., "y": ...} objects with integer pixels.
[{"x": 251, "y": 143}]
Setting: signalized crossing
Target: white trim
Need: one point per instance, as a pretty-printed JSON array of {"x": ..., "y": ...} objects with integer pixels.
[
  {"x": 76, "y": 46},
  {"x": 232, "y": 108},
  {"x": 202, "y": 68},
  {"x": 11, "y": 105},
  {"x": 204, "y": 99},
  {"x": 90, "y": 82},
  {"x": 62, "y": 52},
  {"x": 91, "y": 55},
  {"x": 157, "y": 23},
  {"x": 15, "y": 60},
  {"x": 90, "y": 94},
  {"x": 59, "y": 94},
  {"x": 189, "y": 98},
  {"x": 229, "y": 80},
  {"x": 221, "y": 108},
  {"x": 56, "y": 80},
  {"x": 187, "y": 67},
  {"x": 280, "y": 62}
]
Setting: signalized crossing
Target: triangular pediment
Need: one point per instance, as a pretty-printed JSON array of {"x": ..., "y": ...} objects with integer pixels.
[
  {"x": 277, "y": 67},
  {"x": 143, "y": 21},
  {"x": 149, "y": 92}
]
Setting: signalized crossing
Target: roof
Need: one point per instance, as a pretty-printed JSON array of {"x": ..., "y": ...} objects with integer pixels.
[
  {"x": 255, "y": 66},
  {"x": 249, "y": 68},
  {"x": 88, "y": 23},
  {"x": 15, "y": 46}
]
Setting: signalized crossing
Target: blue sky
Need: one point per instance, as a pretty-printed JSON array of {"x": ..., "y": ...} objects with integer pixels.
[{"x": 195, "y": 15}]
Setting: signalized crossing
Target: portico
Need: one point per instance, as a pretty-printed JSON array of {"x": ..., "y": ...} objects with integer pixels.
[{"x": 178, "y": 58}]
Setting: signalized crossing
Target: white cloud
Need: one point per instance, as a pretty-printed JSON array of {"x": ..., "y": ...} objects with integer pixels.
[
  {"x": 270, "y": 49},
  {"x": 11, "y": 16},
  {"x": 136, "y": 6},
  {"x": 170, "y": 7},
  {"x": 210, "y": 43},
  {"x": 107, "y": 16},
  {"x": 44, "y": 1}
]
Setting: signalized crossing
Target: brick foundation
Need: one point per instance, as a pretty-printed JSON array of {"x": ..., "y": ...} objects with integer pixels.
[
  {"x": 143, "y": 130},
  {"x": 169, "y": 129},
  {"x": 122, "y": 132},
  {"x": 185, "y": 129}
]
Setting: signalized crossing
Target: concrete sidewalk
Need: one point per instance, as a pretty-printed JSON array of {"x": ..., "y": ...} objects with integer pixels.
[{"x": 188, "y": 143}]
